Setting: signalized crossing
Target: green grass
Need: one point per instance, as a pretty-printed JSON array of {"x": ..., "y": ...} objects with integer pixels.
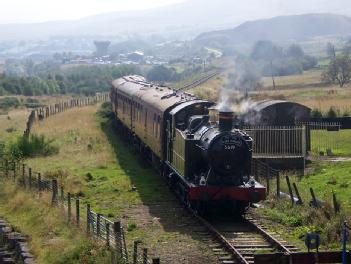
[
  {"x": 326, "y": 178},
  {"x": 338, "y": 141},
  {"x": 52, "y": 240},
  {"x": 116, "y": 180}
]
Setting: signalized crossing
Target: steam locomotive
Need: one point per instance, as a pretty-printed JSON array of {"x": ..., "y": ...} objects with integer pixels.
[{"x": 205, "y": 161}]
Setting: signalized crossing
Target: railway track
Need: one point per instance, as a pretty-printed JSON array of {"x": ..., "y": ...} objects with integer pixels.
[
  {"x": 237, "y": 241},
  {"x": 199, "y": 81}
]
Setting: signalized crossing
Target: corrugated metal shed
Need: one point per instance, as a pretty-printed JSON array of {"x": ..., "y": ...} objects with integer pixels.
[{"x": 276, "y": 112}]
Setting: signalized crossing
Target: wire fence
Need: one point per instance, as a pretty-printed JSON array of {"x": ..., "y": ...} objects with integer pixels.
[{"x": 78, "y": 212}]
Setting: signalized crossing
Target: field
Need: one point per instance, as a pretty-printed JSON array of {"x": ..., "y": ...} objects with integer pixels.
[
  {"x": 306, "y": 89},
  {"x": 97, "y": 165},
  {"x": 13, "y": 123},
  {"x": 339, "y": 142}
]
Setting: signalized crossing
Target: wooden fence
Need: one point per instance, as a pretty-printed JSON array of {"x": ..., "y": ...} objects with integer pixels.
[
  {"x": 78, "y": 212},
  {"x": 47, "y": 111}
]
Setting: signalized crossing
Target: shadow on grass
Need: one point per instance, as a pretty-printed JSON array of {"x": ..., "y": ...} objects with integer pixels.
[{"x": 154, "y": 193}]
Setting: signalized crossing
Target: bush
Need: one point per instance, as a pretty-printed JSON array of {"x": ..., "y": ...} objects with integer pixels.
[
  {"x": 32, "y": 146},
  {"x": 316, "y": 113},
  {"x": 346, "y": 113},
  {"x": 9, "y": 102},
  {"x": 33, "y": 103},
  {"x": 106, "y": 110},
  {"x": 332, "y": 112}
]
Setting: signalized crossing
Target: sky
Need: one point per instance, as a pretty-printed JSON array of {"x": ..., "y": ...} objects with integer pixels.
[{"x": 28, "y": 11}]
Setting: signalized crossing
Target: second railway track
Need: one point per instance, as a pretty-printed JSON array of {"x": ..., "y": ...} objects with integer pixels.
[{"x": 237, "y": 241}]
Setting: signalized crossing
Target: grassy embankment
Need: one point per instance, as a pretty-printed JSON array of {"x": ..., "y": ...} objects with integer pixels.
[
  {"x": 52, "y": 240},
  {"x": 96, "y": 164},
  {"x": 325, "y": 179}
]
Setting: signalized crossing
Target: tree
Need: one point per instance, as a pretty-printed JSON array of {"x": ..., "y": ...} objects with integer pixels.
[
  {"x": 295, "y": 51},
  {"x": 266, "y": 50},
  {"x": 331, "y": 52},
  {"x": 339, "y": 70},
  {"x": 162, "y": 74}
]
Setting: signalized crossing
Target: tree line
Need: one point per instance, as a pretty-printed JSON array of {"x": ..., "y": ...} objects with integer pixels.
[
  {"x": 274, "y": 60},
  {"x": 85, "y": 80}
]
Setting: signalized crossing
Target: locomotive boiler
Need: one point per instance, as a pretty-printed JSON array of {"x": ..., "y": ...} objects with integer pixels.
[{"x": 205, "y": 162}]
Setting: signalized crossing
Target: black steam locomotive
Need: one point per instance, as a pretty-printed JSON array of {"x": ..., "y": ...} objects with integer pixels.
[{"x": 204, "y": 160}]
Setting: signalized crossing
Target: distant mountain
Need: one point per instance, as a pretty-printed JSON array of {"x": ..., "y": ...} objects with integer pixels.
[
  {"x": 280, "y": 29},
  {"x": 184, "y": 20}
]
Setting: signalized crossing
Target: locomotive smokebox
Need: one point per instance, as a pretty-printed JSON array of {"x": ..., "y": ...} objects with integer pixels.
[{"x": 226, "y": 120}]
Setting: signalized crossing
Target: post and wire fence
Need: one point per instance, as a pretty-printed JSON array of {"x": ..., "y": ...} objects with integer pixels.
[{"x": 77, "y": 212}]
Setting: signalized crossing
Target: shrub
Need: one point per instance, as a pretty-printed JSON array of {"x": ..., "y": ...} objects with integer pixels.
[
  {"x": 332, "y": 112},
  {"x": 346, "y": 113},
  {"x": 89, "y": 177},
  {"x": 106, "y": 110},
  {"x": 32, "y": 146},
  {"x": 33, "y": 103},
  {"x": 131, "y": 227},
  {"x": 316, "y": 113},
  {"x": 9, "y": 102}
]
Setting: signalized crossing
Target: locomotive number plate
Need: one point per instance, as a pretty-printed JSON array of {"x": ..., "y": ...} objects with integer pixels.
[
  {"x": 229, "y": 147},
  {"x": 229, "y": 141}
]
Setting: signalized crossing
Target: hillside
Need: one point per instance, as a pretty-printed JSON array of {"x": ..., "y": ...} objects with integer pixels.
[
  {"x": 184, "y": 20},
  {"x": 280, "y": 29}
]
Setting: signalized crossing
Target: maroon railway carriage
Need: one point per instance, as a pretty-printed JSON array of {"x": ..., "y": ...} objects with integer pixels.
[{"x": 205, "y": 162}]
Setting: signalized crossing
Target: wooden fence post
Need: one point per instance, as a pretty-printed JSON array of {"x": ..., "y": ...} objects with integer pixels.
[
  {"x": 69, "y": 205},
  {"x": 54, "y": 192},
  {"x": 30, "y": 178},
  {"x": 314, "y": 200},
  {"x": 62, "y": 195},
  {"x": 39, "y": 183},
  {"x": 6, "y": 168},
  {"x": 267, "y": 179},
  {"x": 297, "y": 193},
  {"x": 23, "y": 170},
  {"x": 98, "y": 225},
  {"x": 77, "y": 212},
  {"x": 117, "y": 235},
  {"x": 335, "y": 204},
  {"x": 14, "y": 171},
  {"x": 145, "y": 256},
  {"x": 88, "y": 219},
  {"x": 108, "y": 235},
  {"x": 278, "y": 185},
  {"x": 290, "y": 190},
  {"x": 135, "y": 252}
]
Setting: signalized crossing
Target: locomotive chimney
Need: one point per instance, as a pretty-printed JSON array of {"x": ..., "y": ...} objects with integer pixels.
[{"x": 226, "y": 120}]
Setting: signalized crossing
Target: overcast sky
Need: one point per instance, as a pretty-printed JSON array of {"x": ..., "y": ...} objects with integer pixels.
[{"x": 19, "y": 11}]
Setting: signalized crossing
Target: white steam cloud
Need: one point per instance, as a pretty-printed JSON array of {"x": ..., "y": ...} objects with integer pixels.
[{"x": 240, "y": 80}]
